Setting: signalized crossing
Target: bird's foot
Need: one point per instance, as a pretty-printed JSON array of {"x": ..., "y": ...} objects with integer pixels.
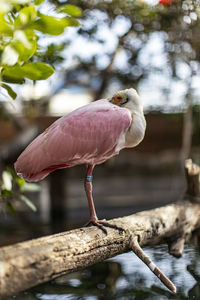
[{"x": 102, "y": 224}]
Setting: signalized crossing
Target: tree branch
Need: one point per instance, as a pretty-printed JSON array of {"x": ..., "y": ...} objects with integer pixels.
[
  {"x": 106, "y": 72},
  {"x": 33, "y": 262}
]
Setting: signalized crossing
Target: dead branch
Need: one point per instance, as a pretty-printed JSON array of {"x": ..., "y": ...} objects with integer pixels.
[
  {"x": 33, "y": 262},
  {"x": 193, "y": 180},
  {"x": 147, "y": 260}
]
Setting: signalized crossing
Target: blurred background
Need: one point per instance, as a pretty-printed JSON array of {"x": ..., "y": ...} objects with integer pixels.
[{"x": 152, "y": 46}]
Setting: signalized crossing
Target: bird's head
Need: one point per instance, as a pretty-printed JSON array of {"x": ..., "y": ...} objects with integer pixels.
[{"x": 128, "y": 98}]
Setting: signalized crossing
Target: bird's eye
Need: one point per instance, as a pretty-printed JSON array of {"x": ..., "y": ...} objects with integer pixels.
[
  {"x": 125, "y": 101},
  {"x": 117, "y": 100}
]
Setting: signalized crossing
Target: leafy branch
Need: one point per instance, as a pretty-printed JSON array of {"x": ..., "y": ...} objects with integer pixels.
[{"x": 21, "y": 25}]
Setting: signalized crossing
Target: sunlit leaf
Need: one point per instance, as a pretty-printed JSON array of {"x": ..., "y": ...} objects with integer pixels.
[
  {"x": 34, "y": 71},
  {"x": 9, "y": 56},
  {"x": 6, "y": 6},
  {"x": 71, "y": 10},
  {"x": 26, "y": 15},
  {"x": 20, "y": 181},
  {"x": 5, "y": 27},
  {"x": 37, "y": 71},
  {"x": 6, "y": 181},
  {"x": 19, "y": 35},
  {"x": 25, "y": 43},
  {"x": 28, "y": 202},
  {"x": 50, "y": 25},
  {"x": 10, "y": 91}
]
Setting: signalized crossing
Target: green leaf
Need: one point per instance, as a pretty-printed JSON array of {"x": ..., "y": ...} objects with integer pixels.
[
  {"x": 71, "y": 10},
  {"x": 26, "y": 15},
  {"x": 50, "y": 25},
  {"x": 37, "y": 71},
  {"x": 12, "y": 74},
  {"x": 10, "y": 91},
  {"x": 9, "y": 56},
  {"x": 25, "y": 43},
  {"x": 34, "y": 71},
  {"x": 11, "y": 209},
  {"x": 38, "y": 2},
  {"x": 6, "y": 181},
  {"x": 28, "y": 202},
  {"x": 5, "y": 27},
  {"x": 20, "y": 181},
  {"x": 10, "y": 79},
  {"x": 6, "y": 193}
]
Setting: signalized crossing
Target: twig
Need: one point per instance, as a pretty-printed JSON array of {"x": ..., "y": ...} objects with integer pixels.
[{"x": 146, "y": 259}]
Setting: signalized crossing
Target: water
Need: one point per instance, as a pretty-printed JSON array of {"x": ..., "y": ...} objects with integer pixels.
[{"x": 125, "y": 277}]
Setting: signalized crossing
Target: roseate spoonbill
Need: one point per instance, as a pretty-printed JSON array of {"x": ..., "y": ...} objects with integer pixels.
[{"x": 89, "y": 135}]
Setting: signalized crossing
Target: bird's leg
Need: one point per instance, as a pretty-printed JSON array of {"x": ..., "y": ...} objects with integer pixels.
[
  {"x": 88, "y": 190},
  {"x": 93, "y": 216}
]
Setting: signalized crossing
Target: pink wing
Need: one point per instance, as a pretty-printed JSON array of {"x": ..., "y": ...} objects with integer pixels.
[{"x": 88, "y": 135}]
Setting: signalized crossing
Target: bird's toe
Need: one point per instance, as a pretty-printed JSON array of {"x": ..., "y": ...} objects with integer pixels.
[{"x": 102, "y": 224}]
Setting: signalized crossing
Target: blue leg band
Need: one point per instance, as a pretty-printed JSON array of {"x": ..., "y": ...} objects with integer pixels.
[{"x": 88, "y": 178}]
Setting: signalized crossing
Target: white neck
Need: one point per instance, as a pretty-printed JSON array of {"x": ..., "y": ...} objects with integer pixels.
[
  {"x": 136, "y": 131},
  {"x": 135, "y": 108}
]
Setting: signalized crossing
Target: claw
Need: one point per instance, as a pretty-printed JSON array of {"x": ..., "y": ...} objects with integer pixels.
[{"x": 101, "y": 225}]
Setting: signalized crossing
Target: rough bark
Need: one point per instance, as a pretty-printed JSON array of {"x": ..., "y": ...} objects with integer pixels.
[{"x": 30, "y": 263}]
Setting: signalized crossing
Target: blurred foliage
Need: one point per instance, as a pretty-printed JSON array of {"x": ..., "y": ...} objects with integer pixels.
[
  {"x": 21, "y": 25},
  {"x": 12, "y": 190},
  {"x": 52, "y": 53},
  {"x": 175, "y": 22}
]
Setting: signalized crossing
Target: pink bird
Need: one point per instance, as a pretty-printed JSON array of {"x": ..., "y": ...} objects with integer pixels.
[{"x": 89, "y": 135}]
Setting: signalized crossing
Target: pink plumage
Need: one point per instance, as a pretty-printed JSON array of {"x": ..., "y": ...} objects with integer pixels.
[{"x": 88, "y": 135}]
